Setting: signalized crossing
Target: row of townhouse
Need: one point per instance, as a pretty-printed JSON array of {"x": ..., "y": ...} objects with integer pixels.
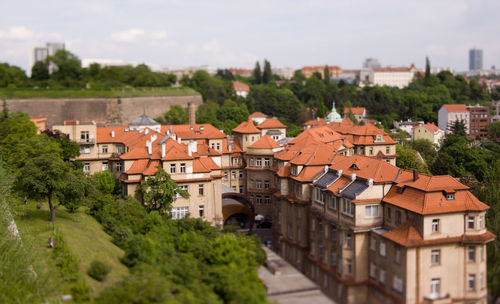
[{"x": 369, "y": 232}]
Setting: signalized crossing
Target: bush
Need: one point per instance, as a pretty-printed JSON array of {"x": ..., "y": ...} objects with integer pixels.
[
  {"x": 65, "y": 261},
  {"x": 98, "y": 270},
  {"x": 80, "y": 292}
]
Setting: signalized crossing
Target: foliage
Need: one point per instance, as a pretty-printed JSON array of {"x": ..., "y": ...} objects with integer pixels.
[
  {"x": 426, "y": 149},
  {"x": 80, "y": 292},
  {"x": 105, "y": 182},
  {"x": 409, "y": 159},
  {"x": 65, "y": 261},
  {"x": 267, "y": 75},
  {"x": 458, "y": 127},
  {"x": 158, "y": 192},
  {"x": 279, "y": 102},
  {"x": 211, "y": 88},
  {"x": 494, "y": 131},
  {"x": 11, "y": 77},
  {"x": 98, "y": 270},
  {"x": 257, "y": 73},
  {"x": 176, "y": 115},
  {"x": 40, "y": 71}
]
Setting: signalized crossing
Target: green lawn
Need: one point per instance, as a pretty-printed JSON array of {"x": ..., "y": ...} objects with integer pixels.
[
  {"x": 83, "y": 236},
  {"x": 84, "y": 93}
]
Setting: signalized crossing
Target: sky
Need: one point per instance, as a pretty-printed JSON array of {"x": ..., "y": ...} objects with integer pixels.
[{"x": 237, "y": 33}]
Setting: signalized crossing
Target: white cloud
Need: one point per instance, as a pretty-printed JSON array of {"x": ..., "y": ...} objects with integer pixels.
[
  {"x": 17, "y": 33},
  {"x": 136, "y": 34}
]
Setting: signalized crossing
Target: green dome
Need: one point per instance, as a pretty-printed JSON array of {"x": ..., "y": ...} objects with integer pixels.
[{"x": 333, "y": 116}]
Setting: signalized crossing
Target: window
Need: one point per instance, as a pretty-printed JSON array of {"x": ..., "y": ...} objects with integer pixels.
[
  {"x": 259, "y": 199},
  {"x": 321, "y": 251},
  {"x": 84, "y": 136},
  {"x": 435, "y": 288},
  {"x": 371, "y": 211},
  {"x": 251, "y": 162},
  {"x": 397, "y": 256},
  {"x": 387, "y": 150},
  {"x": 200, "y": 189},
  {"x": 267, "y": 162},
  {"x": 266, "y": 184},
  {"x": 179, "y": 212},
  {"x": 183, "y": 168},
  {"x": 471, "y": 253},
  {"x": 470, "y": 222},
  {"x": 450, "y": 196},
  {"x": 480, "y": 222},
  {"x": 435, "y": 257},
  {"x": 334, "y": 234},
  {"x": 382, "y": 276},
  {"x": 201, "y": 210},
  {"x": 334, "y": 258},
  {"x": 371, "y": 150},
  {"x": 241, "y": 174},
  {"x": 348, "y": 241},
  {"x": 373, "y": 244},
  {"x": 119, "y": 167},
  {"x": 104, "y": 166},
  {"x": 397, "y": 284},
  {"x": 471, "y": 285},
  {"x": 293, "y": 170},
  {"x": 183, "y": 187},
  {"x": 267, "y": 199},
  {"x": 258, "y": 162},
  {"x": 347, "y": 207},
  {"x": 241, "y": 188},
  {"x": 435, "y": 225},
  {"x": 86, "y": 167},
  {"x": 105, "y": 149},
  {"x": 398, "y": 217},
  {"x": 119, "y": 149},
  {"x": 373, "y": 270},
  {"x": 218, "y": 147},
  {"x": 348, "y": 265},
  {"x": 382, "y": 249},
  {"x": 389, "y": 213},
  {"x": 84, "y": 150},
  {"x": 172, "y": 168},
  {"x": 258, "y": 184},
  {"x": 332, "y": 202}
]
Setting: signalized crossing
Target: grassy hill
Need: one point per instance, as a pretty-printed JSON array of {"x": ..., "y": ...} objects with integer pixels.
[
  {"x": 83, "y": 236},
  {"x": 84, "y": 93}
]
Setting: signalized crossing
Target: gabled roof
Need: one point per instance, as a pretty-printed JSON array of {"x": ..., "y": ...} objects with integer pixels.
[
  {"x": 246, "y": 127},
  {"x": 431, "y": 127},
  {"x": 317, "y": 135},
  {"x": 265, "y": 142},
  {"x": 366, "y": 167},
  {"x": 257, "y": 115},
  {"x": 204, "y": 164},
  {"x": 240, "y": 86},
  {"x": 196, "y": 131},
  {"x": 138, "y": 166},
  {"x": 355, "y": 111},
  {"x": 455, "y": 108},
  {"x": 308, "y": 173},
  {"x": 271, "y": 123}
]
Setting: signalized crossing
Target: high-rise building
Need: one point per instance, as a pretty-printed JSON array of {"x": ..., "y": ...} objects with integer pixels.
[
  {"x": 475, "y": 59},
  {"x": 53, "y": 47},
  {"x": 371, "y": 63},
  {"x": 39, "y": 54}
]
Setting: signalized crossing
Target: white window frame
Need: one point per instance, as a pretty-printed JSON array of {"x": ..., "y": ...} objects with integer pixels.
[
  {"x": 372, "y": 211},
  {"x": 86, "y": 167},
  {"x": 382, "y": 249},
  {"x": 173, "y": 168},
  {"x": 435, "y": 225},
  {"x": 119, "y": 167},
  {"x": 258, "y": 162},
  {"x": 435, "y": 257},
  {"x": 105, "y": 166},
  {"x": 182, "y": 168},
  {"x": 471, "y": 282},
  {"x": 179, "y": 212},
  {"x": 373, "y": 270},
  {"x": 347, "y": 207},
  {"x": 435, "y": 288}
]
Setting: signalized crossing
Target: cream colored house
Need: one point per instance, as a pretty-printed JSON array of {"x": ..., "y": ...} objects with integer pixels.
[{"x": 428, "y": 132}]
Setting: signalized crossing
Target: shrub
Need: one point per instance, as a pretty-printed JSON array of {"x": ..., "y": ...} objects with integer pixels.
[
  {"x": 98, "y": 270},
  {"x": 80, "y": 292},
  {"x": 65, "y": 261}
]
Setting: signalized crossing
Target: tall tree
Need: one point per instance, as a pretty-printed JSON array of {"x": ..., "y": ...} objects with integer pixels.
[
  {"x": 158, "y": 192},
  {"x": 326, "y": 74},
  {"x": 427, "y": 68},
  {"x": 40, "y": 71},
  {"x": 257, "y": 73},
  {"x": 67, "y": 69},
  {"x": 267, "y": 75}
]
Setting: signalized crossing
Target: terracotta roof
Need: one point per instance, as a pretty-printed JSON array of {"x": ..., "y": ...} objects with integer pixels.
[
  {"x": 339, "y": 183},
  {"x": 455, "y": 108},
  {"x": 138, "y": 166},
  {"x": 246, "y": 127},
  {"x": 197, "y": 131},
  {"x": 317, "y": 135},
  {"x": 366, "y": 167},
  {"x": 234, "y": 145},
  {"x": 258, "y": 114},
  {"x": 151, "y": 169},
  {"x": 314, "y": 155},
  {"x": 265, "y": 142},
  {"x": 355, "y": 111},
  {"x": 284, "y": 171},
  {"x": 408, "y": 235},
  {"x": 320, "y": 68},
  {"x": 427, "y": 195},
  {"x": 271, "y": 123},
  {"x": 308, "y": 173},
  {"x": 240, "y": 86},
  {"x": 362, "y": 135},
  {"x": 204, "y": 150},
  {"x": 431, "y": 127},
  {"x": 204, "y": 164}
]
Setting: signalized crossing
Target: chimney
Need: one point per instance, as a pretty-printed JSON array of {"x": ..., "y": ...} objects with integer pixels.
[
  {"x": 191, "y": 113},
  {"x": 146, "y": 131},
  {"x": 178, "y": 140},
  {"x": 353, "y": 176},
  {"x": 339, "y": 172},
  {"x": 163, "y": 150},
  {"x": 415, "y": 175},
  {"x": 370, "y": 182},
  {"x": 112, "y": 133},
  {"x": 148, "y": 145}
]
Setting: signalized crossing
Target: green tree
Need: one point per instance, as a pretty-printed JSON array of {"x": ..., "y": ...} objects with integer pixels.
[
  {"x": 326, "y": 73},
  {"x": 351, "y": 116},
  {"x": 427, "y": 68},
  {"x": 426, "y": 148},
  {"x": 105, "y": 182},
  {"x": 11, "y": 76},
  {"x": 267, "y": 75},
  {"x": 40, "y": 71},
  {"x": 176, "y": 115},
  {"x": 408, "y": 159},
  {"x": 494, "y": 131},
  {"x": 67, "y": 68},
  {"x": 458, "y": 127},
  {"x": 158, "y": 192},
  {"x": 257, "y": 73}
]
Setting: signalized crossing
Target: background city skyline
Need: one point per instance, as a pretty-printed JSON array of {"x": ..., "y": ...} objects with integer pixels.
[{"x": 238, "y": 33}]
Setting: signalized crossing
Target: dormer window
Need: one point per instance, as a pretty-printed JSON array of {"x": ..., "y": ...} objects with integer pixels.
[
  {"x": 293, "y": 170},
  {"x": 450, "y": 196},
  {"x": 378, "y": 138},
  {"x": 399, "y": 190},
  {"x": 354, "y": 167}
]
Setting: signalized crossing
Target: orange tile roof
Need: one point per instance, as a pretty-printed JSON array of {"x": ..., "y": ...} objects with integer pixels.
[
  {"x": 308, "y": 173},
  {"x": 284, "y": 171},
  {"x": 362, "y": 135},
  {"x": 204, "y": 164},
  {"x": 258, "y": 115},
  {"x": 366, "y": 167},
  {"x": 240, "y": 86},
  {"x": 271, "y": 123},
  {"x": 314, "y": 155},
  {"x": 338, "y": 184},
  {"x": 317, "y": 135},
  {"x": 319, "y": 68},
  {"x": 455, "y": 108},
  {"x": 246, "y": 127},
  {"x": 431, "y": 127},
  {"x": 235, "y": 146},
  {"x": 204, "y": 150},
  {"x": 265, "y": 142},
  {"x": 315, "y": 122},
  {"x": 138, "y": 166},
  {"x": 197, "y": 131},
  {"x": 152, "y": 168},
  {"x": 427, "y": 195},
  {"x": 355, "y": 111}
]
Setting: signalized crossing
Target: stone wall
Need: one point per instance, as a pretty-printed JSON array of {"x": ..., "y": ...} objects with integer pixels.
[{"x": 104, "y": 111}]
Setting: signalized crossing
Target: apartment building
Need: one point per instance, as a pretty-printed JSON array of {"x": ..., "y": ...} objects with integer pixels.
[
  {"x": 388, "y": 76},
  {"x": 335, "y": 71},
  {"x": 479, "y": 120},
  {"x": 449, "y": 113}
]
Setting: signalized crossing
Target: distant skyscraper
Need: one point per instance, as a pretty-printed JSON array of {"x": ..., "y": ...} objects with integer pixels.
[
  {"x": 41, "y": 53},
  {"x": 371, "y": 63},
  {"x": 475, "y": 59},
  {"x": 53, "y": 47}
]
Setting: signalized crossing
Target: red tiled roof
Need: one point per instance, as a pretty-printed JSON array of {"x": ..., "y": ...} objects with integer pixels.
[
  {"x": 197, "y": 131},
  {"x": 366, "y": 167},
  {"x": 265, "y": 142},
  {"x": 257, "y": 115},
  {"x": 455, "y": 108},
  {"x": 271, "y": 123},
  {"x": 431, "y": 127},
  {"x": 355, "y": 111},
  {"x": 246, "y": 127},
  {"x": 320, "y": 68},
  {"x": 138, "y": 166},
  {"x": 204, "y": 164},
  {"x": 240, "y": 86},
  {"x": 152, "y": 167}
]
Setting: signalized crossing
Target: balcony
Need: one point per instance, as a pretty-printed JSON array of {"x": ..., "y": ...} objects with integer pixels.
[{"x": 89, "y": 141}]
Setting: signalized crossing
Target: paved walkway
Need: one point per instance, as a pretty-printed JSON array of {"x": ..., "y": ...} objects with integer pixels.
[{"x": 285, "y": 284}]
